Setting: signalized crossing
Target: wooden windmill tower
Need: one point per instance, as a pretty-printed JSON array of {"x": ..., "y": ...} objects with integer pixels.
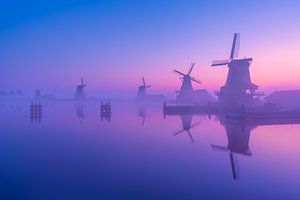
[
  {"x": 80, "y": 95},
  {"x": 142, "y": 89},
  {"x": 186, "y": 92},
  {"x": 238, "y": 88}
]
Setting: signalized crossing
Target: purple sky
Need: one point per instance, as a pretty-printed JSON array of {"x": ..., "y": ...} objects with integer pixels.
[{"x": 50, "y": 45}]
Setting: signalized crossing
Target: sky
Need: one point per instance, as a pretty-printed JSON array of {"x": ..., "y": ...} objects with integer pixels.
[{"x": 50, "y": 44}]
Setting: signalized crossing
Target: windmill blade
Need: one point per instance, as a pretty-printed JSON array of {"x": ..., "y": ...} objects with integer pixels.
[
  {"x": 82, "y": 83},
  {"x": 194, "y": 125},
  {"x": 219, "y": 148},
  {"x": 144, "y": 83},
  {"x": 144, "y": 120},
  {"x": 234, "y": 166},
  {"x": 220, "y": 62},
  {"x": 235, "y": 46},
  {"x": 178, "y": 72},
  {"x": 191, "y": 137},
  {"x": 191, "y": 68},
  {"x": 195, "y": 80},
  {"x": 147, "y": 86},
  {"x": 178, "y": 132}
]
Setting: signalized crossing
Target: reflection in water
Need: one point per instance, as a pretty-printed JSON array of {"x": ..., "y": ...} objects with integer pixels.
[
  {"x": 80, "y": 106},
  {"x": 65, "y": 162},
  {"x": 238, "y": 130},
  {"x": 187, "y": 125},
  {"x": 238, "y": 136},
  {"x": 12, "y": 105},
  {"x": 36, "y": 111},
  {"x": 142, "y": 112},
  {"x": 105, "y": 111}
]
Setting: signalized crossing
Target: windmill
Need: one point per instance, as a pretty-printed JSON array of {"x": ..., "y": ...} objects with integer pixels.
[
  {"x": 238, "y": 88},
  {"x": 80, "y": 95},
  {"x": 142, "y": 89},
  {"x": 187, "y": 126},
  {"x": 186, "y": 90}
]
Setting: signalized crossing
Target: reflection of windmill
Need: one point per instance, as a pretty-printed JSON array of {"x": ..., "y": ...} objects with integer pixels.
[
  {"x": 142, "y": 112},
  {"x": 80, "y": 106},
  {"x": 105, "y": 111},
  {"x": 36, "y": 111},
  {"x": 186, "y": 90},
  {"x": 238, "y": 88},
  {"x": 80, "y": 95},
  {"x": 238, "y": 143},
  {"x": 187, "y": 125},
  {"x": 142, "y": 89}
]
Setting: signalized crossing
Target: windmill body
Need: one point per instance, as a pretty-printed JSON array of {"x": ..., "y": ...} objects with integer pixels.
[
  {"x": 80, "y": 94},
  {"x": 186, "y": 87},
  {"x": 143, "y": 96},
  {"x": 142, "y": 89},
  {"x": 238, "y": 88},
  {"x": 187, "y": 94}
]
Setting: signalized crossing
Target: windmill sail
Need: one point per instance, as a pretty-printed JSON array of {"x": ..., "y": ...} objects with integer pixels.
[
  {"x": 234, "y": 167},
  {"x": 195, "y": 80},
  {"x": 220, "y": 62},
  {"x": 144, "y": 83},
  {"x": 178, "y": 72},
  {"x": 191, "y": 68},
  {"x": 235, "y": 46}
]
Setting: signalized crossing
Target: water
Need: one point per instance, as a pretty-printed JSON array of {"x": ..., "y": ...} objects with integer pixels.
[{"x": 72, "y": 154}]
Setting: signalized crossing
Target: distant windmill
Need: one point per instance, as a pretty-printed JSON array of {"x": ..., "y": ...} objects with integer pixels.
[
  {"x": 239, "y": 87},
  {"x": 187, "y": 126},
  {"x": 80, "y": 95},
  {"x": 186, "y": 90},
  {"x": 142, "y": 89}
]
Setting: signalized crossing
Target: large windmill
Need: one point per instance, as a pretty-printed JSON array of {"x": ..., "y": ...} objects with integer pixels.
[
  {"x": 142, "y": 89},
  {"x": 186, "y": 92},
  {"x": 238, "y": 88},
  {"x": 80, "y": 95}
]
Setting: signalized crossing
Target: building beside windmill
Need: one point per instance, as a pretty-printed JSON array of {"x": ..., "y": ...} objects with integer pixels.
[
  {"x": 38, "y": 96},
  {"x": 187, "y": 94},
  {"x": 285, "y": 98},
  {"x": 238, "y": 89}
]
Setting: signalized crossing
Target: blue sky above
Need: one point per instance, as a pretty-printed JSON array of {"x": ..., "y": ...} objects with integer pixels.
[{"x": 51, "y": 44}]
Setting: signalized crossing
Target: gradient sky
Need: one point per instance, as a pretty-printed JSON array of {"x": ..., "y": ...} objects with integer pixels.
[{"x": 50, "y": 44}]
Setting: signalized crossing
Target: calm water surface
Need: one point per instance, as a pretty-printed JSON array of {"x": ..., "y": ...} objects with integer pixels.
[{"x": 68, "y": 152}]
